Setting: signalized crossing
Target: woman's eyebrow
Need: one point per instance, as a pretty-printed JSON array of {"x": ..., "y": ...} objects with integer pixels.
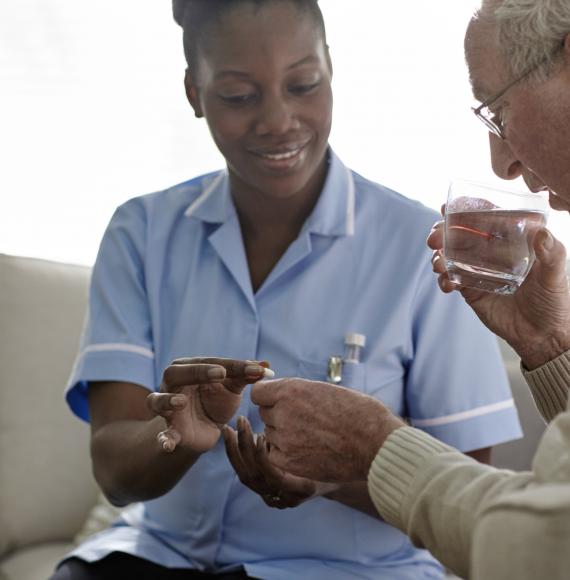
[
  {"x": 306, "y": 60},
  {"x": 230, "y": 73}
]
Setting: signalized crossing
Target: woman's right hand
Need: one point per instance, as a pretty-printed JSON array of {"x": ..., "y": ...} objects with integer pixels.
[
  {"x": 197, "y": 397},
  {"x": 535, "y": 320}
]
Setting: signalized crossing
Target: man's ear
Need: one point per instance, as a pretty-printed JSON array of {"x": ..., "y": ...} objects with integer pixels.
[{"x": 192, "y": 94}]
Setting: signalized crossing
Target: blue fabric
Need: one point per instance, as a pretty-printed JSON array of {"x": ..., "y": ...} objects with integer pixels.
[{"x": 171, "y": 280}]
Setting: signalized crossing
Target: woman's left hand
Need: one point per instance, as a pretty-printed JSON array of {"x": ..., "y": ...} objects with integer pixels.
[{"x": 248, "y": 455}]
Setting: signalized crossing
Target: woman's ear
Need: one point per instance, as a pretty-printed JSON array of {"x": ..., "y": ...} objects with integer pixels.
[{"x": 192, "y": 94}]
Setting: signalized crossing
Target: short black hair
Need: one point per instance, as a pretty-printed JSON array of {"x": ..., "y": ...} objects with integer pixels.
[{"x": 196, "y": 16}]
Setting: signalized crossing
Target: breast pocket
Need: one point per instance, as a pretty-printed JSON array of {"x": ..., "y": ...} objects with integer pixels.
[{"x": 353, "y": 374}]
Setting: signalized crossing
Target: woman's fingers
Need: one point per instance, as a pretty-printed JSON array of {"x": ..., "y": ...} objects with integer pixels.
[
  {"x": 246, "y": 442},
  {"x": 165, "y": 404},
  {"x": 169, "y": 439},
  {"x": 234, "y": 374},
  {"x": 234, "y": 368},
  {"x": 232, "y": 450},
  {"x": 179, "y": 375}
]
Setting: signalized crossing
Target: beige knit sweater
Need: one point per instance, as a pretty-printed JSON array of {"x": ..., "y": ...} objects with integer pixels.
[{"x": 484, "y": 523}]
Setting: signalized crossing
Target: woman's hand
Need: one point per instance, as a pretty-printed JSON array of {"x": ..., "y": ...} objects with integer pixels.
[
  {"x": 535, "y": 320},
  {"x": 248, "y": 455},
  {"x": 197, "y": 397}
]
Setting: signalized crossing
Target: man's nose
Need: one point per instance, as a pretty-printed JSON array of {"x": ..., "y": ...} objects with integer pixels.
[
  {"x": 277, "y": 116},
  {"x": 504, "y": 162}
]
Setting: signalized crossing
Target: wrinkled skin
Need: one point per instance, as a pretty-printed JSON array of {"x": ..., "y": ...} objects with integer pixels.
[
  {"x": 535, "y": 321},
  {"x": 320, "y": 431}
]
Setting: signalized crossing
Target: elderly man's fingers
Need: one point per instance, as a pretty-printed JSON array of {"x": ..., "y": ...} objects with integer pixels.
[
  {"x": 446, "y": 285},
  {"x": 438, "y": 262},
  {"x": 169, "y": 439},
  {"x": 435, "y": 237},
  {"x": 267, "y": 415},
  {"x": 551, "y": 255},
  {"x": 266, "y": 393},
  {"x": 165, "y": 404}
]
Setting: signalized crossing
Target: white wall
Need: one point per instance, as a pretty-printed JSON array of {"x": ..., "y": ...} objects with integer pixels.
[{"x": 92, "y": 110}]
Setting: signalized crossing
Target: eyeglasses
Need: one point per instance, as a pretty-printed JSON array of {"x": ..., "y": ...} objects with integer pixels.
[{"x": 494, "y": 121}]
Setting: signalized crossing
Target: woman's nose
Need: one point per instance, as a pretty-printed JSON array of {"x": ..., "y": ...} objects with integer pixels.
[
  {"x": 276, "y": 117},
  {"x": 504, "y": 162}
]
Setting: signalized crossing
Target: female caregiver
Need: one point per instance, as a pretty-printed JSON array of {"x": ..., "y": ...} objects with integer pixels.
[{"x": 276, "y": 258}]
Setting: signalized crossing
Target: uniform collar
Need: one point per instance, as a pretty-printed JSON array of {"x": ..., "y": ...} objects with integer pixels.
[{"x": 333, "y": 214}]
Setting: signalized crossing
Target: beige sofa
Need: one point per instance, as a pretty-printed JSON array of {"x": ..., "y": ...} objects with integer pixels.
[{"x": 46, "y": 487}]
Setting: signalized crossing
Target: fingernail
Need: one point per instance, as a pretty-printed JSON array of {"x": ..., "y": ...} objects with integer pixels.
[
  {"x": 240, "y": 423},
  {"x": 268, "y": 373},
  {"x": 216, "y": 373},
  {"x": 165, "y": 443},
  {"x": 178, "y": 401},
  {"x": 254, "y": 370}
]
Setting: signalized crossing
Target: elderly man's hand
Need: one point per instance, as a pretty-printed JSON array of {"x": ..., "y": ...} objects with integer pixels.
[
  {"x": 321, "y": 431},
  {"x": 535, "y": 320}
]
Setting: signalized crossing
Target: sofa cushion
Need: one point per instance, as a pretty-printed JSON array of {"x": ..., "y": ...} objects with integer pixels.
[
  {"x": 100, "y": 518},
  {"x": 34, "y": 563},
  {"x": 46, "y": 486}
]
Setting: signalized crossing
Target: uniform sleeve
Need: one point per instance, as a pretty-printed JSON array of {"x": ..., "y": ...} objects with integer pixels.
[
  {"x": 439, "y": 496},
  {"x": 117, "y": 342},
  {"x": 457, "y": 388}
]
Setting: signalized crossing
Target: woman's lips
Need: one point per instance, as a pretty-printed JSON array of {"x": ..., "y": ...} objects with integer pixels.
[{"x": 281, "y": 158}]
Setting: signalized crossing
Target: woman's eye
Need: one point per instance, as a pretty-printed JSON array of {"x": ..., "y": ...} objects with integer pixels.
[
  {"x": 238, "y": 99},
  {"x": 303, "y": 89}
]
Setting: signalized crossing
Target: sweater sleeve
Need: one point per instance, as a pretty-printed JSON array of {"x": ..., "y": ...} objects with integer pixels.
[
  {"x": 549, "y": 385},
  {"x": 437, "y": 495}
]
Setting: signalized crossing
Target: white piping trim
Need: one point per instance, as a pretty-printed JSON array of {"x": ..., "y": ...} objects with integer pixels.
[
  {"x": 485, "y": 410},
  {"x": 114, "y": 346},
  {"x": 206, "y": 193},
  {"x": 350, "y": 204}
]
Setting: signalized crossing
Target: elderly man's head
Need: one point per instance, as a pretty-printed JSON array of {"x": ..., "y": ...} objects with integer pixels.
[{"x": 518, "y": 53}]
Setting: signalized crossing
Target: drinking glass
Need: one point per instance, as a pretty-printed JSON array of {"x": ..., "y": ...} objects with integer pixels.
[{"x": 489, "y": 232}]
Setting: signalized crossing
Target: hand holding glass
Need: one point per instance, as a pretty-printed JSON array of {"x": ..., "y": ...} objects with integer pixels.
[{"x": 489, "y": 234}]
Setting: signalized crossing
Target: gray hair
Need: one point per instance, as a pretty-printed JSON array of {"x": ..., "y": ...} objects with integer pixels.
[{"x": 531, "y": 33}]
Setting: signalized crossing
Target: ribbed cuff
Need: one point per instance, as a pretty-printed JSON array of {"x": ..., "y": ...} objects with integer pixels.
[
  {"x": 394, "y": 468},
  {"x": 549, "y": 385}
]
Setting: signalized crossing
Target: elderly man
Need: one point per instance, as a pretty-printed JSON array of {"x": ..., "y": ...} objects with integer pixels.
[{"x": 479, "y": 521}]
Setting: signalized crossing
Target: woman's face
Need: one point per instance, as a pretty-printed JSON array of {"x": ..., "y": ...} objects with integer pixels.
[{"x": 263, "y": 83}]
